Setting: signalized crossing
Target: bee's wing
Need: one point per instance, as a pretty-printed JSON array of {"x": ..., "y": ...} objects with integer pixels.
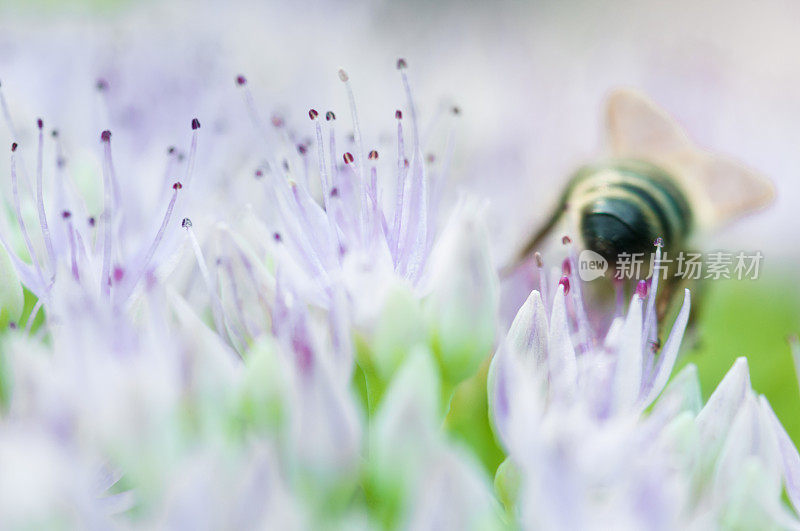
[{"x": 719, "y": 188}]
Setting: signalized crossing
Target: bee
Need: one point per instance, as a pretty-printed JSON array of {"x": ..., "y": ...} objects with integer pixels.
[{"x": 654, "y": 185}]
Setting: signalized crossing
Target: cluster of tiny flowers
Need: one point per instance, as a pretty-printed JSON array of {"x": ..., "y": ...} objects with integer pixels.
[{"x": 287, "y": 347}]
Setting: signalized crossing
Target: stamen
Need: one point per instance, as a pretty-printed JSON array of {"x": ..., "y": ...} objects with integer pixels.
[
  {"x": 325, "y": 180},
  {"x": 159, "y": 236},
  {"x": 359, "y": 150},
  {"x": 564, "y": 283},
  {"x": 641, "y": 289},
  {"x": 102, "y": 90},
  {"x": 32, "y": 316},
  {"x": 250, "y": 104},
  {"x": 171, "y": 159},
  {"x": 402, "y": 170},
  {"x": 187, "y": 178},
  {"x": 18, "y": 211},
  {"x": 67, "y": 217},
  {"x": 542, "y": 275},
  {"x": 48, "y": 242},
  {"x": 650, "y": 317},
  {"x": 216, "y": 307},
  {"x": 108, "y": 208}
]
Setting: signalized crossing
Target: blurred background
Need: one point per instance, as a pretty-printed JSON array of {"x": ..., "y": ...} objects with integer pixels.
[{"x": 528, "y": 77}]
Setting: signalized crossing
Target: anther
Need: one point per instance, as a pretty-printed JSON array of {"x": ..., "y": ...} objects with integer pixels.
[
  {"x": 277, "y": 120},
  {"x": 659, "y": 242},
  {"x": 39, "y": 123},
  {"x": 401, "y": 64},
  {"x": 177, "y": 186},
  {"x": 566, "y": 267},
  {"x": 101, "y": 85},
  {"x": 566, "y": 240},
  {"x": 537, "y": 258},
  {"x": 277, "y": 236},
  {"x": 259, "y": 174},
  {"x": 373, "y": 155},
  {"x": 641, "y": 289},
  {"x": 330, "y": 116},
  {"x": 241, "y": 80},
  {"x": 105, "y": 136},
  {"x": 398, "y": 114},
  {"x": 348, "y": 158},
  {"x": 313, "y": 114},
  {"x": 92, "y": 222},
  {"x": 186, "y": 223},
  {"x": 195, "y": 124},
  {"x": 564, "y": 282},
  {"x": 343, "y": 75},
  {"x": 66, "y": 214},
  {"x": 13, "y": 147}
]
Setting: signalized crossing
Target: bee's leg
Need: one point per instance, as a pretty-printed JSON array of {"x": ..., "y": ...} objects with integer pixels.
[{"x": 535, "y": 241}]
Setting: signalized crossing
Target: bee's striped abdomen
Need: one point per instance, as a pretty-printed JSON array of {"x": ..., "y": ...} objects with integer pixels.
[{"x": 624, "y": 205}]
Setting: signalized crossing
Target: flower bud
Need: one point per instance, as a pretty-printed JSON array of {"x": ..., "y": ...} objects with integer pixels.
[{"x": 463, "y": 303}]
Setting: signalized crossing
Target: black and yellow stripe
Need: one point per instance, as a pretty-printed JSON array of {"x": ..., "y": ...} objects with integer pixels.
[{"x": 624, "y": 205}]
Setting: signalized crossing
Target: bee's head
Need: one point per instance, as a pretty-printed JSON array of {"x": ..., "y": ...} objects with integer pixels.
[{"x": 611, "y": 226}]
